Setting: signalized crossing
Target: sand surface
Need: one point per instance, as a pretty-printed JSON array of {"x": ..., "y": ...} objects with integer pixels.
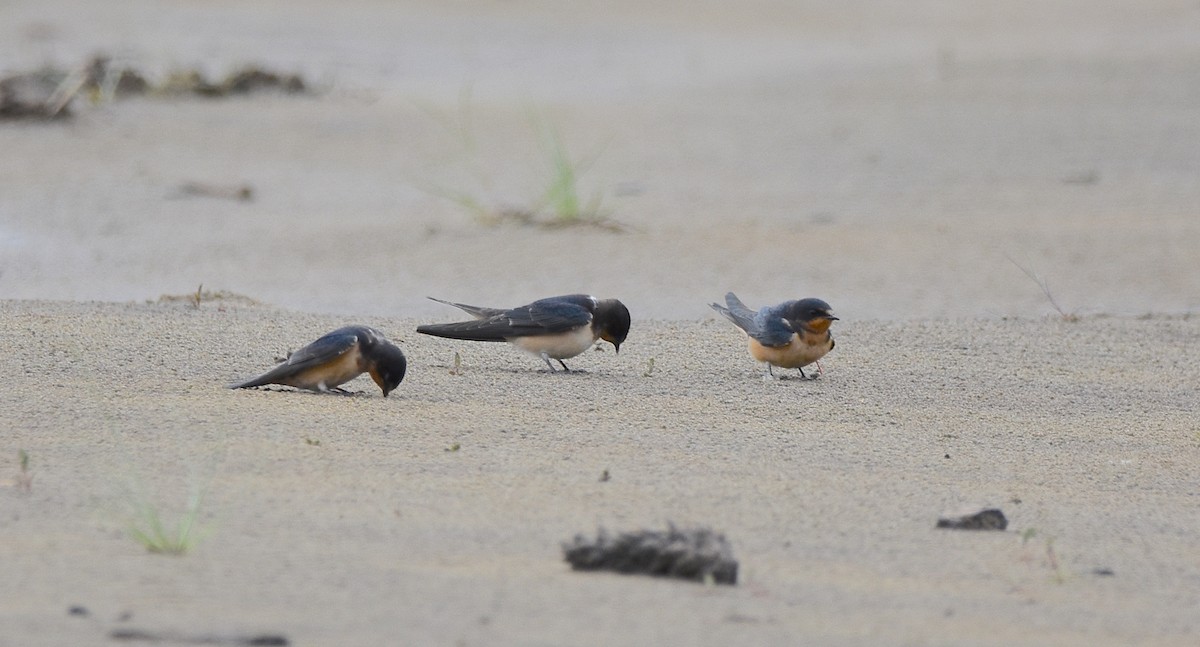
[
  {"x": 1084, "y": 433},
  {"x": 887, "y": 160},
  {"x": 908, "y": 164}
]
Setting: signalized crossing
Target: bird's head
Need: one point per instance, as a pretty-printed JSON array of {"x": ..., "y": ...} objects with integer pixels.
[
  {"x": 813, "y": 315},
  {"x": 389, "y": 367},
  {"x": 611, "y": 321}
]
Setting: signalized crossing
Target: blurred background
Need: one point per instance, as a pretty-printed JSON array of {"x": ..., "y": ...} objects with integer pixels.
[{"x": 900, "y": 160}]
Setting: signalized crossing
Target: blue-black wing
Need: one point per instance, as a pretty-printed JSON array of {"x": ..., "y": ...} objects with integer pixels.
[
  {"x": 770, "y": 326},
  {"x": 542, "y": 317},
  {"x": 767, "y": 326},
  {"x": 322, "y": 351}
]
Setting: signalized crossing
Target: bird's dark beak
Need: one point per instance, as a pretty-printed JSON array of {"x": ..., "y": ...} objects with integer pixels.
[
  {"x": 617, "y": 347},
  {"x": 831, "y": 318}
]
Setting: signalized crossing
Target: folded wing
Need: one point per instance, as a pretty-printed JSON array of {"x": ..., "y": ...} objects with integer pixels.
[
  {"x": 322, "y": 351},
  {"x": 767, "y": 326},
  {"x": 543, "y": 317}
]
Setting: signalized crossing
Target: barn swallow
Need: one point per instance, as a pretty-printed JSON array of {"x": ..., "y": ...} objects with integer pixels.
[
  {"x": 337, "y": 358},
  {"x": 792, "y": 334},
  {"x": 553, "y": 328}
]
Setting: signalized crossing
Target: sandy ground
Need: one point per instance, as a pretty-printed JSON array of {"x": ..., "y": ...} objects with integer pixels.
[
  {"x": 904, "y": 163},
  {"x": 887, "y": 160},
  {"x": 1084, "y": 433}
]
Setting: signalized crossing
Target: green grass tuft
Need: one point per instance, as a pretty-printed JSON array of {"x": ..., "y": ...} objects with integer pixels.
[
  {"x": 150, "y": 530},
  {"x": 24, "y": 480},
  {"x": 562, "y": 196},
  {"x": 561, "y": 203}
]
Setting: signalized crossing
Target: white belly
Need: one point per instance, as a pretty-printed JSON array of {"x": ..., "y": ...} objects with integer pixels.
[{"x": 561, "y": 346}]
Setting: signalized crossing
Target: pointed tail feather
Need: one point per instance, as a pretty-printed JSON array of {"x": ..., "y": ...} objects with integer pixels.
[
  {"x": 736, "y": 312},
  {"x": 478, "y": 312},
  {"x": 270, "y": 377},
  {"x": 477, "y": 330},
  {"x": 258, "y": 381}
]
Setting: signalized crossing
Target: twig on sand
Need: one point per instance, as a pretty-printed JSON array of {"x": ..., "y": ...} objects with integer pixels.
[{"x": 1045, "y": 286}]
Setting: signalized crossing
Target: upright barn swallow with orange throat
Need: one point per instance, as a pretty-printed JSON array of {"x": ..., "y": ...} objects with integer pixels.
[
  {"x": 553, "y": 328},
  {"x": 337, "y": 358},
  {"x": 792, "y": 334}
]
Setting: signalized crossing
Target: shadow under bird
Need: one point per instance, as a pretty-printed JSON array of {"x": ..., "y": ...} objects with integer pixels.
[
  {"x": 553, "y": 328},
  {"x": 792, "y": 334},
  {"x": 337, "y": 358}
]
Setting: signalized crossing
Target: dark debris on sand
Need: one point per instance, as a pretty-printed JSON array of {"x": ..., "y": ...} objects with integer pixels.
[
  {"x": 989, "y": 519},
  {"x": 698, "y": 554},
  {"x": 252, "y": 640},
  {"x": 243, "y": 81},
  {"x": 49, "y": 92},
  {"x": 42, "y": 94}
]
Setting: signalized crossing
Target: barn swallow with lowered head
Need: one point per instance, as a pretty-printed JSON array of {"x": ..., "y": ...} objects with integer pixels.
[
  {"x": 337, "y": 358},
  {"x": 553, "y": 328},
  {"x": 792, "y": 334}
]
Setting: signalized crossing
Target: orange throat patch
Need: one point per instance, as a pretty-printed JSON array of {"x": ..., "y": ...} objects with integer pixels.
[{"x": 819, "y": 325}]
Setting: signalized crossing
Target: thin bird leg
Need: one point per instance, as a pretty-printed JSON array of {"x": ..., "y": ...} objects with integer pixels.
[
  {"x": 546, "y": 359},
  {"x": 564, "y": 366},
  {"x": 333, "y": 389}
]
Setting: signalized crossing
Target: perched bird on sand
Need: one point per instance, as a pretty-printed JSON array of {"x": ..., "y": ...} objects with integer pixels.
[
  {"x": 337, "y": 358},
  {"x": 553, "y": 328},
  {"x": 792, "y": 334}
]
